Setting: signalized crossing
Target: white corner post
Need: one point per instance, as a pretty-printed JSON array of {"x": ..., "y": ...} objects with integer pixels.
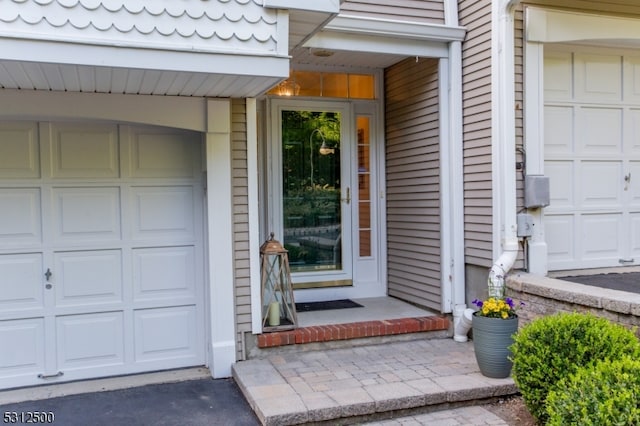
[
  {"x": 503, "y": 142},
  {"x": 254, "y": 216},
  {"x": 222, "y": 350},
  {"x": 537, "y": 251}
]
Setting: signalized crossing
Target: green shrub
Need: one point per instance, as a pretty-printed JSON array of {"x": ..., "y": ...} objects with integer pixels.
[
  {"x": 551, "y": 348},
  {"x": 607, "y": 394}
]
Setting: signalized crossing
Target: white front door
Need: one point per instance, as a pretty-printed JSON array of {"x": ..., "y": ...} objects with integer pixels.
[
  {"x": 592, "y": 156},
  {"x": 101, "y": 254},
  {"x": 324, "y": 196}
]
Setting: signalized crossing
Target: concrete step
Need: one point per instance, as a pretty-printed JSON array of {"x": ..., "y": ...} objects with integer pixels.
[{"x": 365, "y": 383}]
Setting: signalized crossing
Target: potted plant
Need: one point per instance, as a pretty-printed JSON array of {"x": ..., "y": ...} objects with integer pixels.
[{"x": 494, "y": 324}]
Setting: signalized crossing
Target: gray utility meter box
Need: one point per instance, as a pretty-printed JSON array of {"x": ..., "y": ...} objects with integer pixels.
[{"x": 536, "y": 191}]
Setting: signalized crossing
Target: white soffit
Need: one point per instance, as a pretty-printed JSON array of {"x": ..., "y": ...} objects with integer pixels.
[
  {"x": 305, "y": 18},
  {"x": 222, "y": 48},
  {"x": 552, "y": 26},
  {"x": 66, "y": 67},
  {"x": 393, "y": 39}
]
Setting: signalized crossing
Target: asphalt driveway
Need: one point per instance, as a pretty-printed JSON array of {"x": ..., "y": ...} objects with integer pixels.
[{"x": 193, "y": 402}]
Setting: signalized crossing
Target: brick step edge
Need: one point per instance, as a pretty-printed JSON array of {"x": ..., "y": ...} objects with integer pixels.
[{"x": 354, "y": 330}]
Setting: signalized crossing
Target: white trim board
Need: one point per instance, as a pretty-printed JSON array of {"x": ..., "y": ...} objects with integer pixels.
[{"x": 553, "y": 26}]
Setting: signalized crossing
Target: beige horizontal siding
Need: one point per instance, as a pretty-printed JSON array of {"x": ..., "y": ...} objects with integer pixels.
[
  {"x": 424, "y": 11},
  {"x": 242, "y": 285},
  {"x": 413, "y": 183},
  {"x": 475, "y": 16}
]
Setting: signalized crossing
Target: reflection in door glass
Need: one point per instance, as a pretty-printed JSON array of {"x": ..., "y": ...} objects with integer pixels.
[{"x": 311, "y": 190}]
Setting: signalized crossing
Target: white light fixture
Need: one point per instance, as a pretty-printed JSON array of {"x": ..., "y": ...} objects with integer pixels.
[
  {"x": 288, "y": 88},
  {"x": 322, "y": 53}
]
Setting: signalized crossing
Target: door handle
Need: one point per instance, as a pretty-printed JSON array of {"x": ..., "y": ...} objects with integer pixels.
[
  {"x": 627, "y": 180},
  {"x": 50, "y": 376},
  {"x": 47, "y": 275},
  {"x": 347, "y": 199}
]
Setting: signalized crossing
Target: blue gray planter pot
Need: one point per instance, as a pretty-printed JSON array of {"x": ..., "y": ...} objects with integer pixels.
[{"x": 491, "y": 340}]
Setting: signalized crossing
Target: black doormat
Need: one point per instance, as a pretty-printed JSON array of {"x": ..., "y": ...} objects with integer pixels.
[{"x": 325, "y": 306}]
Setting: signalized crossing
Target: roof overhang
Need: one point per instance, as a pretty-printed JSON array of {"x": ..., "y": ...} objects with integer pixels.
[
  {"x": 101, "y": 66},
  {"x": 75, "y": 67},
  {"x": 377, "y": 43}
]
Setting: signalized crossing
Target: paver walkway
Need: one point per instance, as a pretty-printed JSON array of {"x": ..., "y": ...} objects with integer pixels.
[{"x": 365, "y": 382}]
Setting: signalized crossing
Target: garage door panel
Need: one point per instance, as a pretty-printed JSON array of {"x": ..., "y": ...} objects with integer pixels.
[
  {"x": 87, "y": 213},
  {"x": 633, "y": 186},
  {"x": 84, "y": 151},
  {"x": 22, "y": 350},
  {"x": 20, "y": 217},
  {"x": 165, "y": 334},
  {"x": 90, "y": 340},
  {"x": 111, "y": 212},
  {"x": 593, "y": 173},
  {"x": 21, "y": 281},
  {"x": 560, "y": 233},
  {"x": 558, "y": 136},
  {"x": 155, "y": 154},
  {"x": 598, "y": 77},
  {"x": 163, "y": 212},
  {"x": 560, "y": 65},
  {"x": 601, "y": 236},
  {"x": 87, "y": 277},
  {"x": 601, "y": 184},
  {"x": 634, "y": 141},
  {"x": 19, "y": 150},
  {"x": 632, "y": 79},
  {"x": 164, "y": 273},
  {"x": 562, "y": 184},
  {"x": 600, "y": 131},
  {"x": 634, "y": 229}
]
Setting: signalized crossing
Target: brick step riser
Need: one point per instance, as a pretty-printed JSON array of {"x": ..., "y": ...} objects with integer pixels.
[{"x": 350, "y": 335}]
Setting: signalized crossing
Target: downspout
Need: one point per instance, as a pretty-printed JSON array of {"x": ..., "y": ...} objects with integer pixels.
[
  {"x": 504, "y": 183},
  {"x": 461, "y": 314},
  {"x": 504, "y": 120}
]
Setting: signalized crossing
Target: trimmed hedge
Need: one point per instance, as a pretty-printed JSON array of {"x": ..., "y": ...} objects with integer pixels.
[
  {"x": 606, "y": 394},
  {"x": 552, "y": 348}
]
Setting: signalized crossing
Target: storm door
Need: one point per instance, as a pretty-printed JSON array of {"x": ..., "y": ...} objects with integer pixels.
[{"x": 313, "y": 204}]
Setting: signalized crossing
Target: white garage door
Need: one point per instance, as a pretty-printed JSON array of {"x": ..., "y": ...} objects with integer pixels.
[
  {"x": 592, "y": 156},
  {"x": 101, "y": 265}
]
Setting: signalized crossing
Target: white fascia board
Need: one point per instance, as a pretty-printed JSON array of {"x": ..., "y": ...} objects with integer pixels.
[
  {"x": 376, "y": 44},
  {"x": 395, "y": 28},
  {"x": 326, "y": 6},
  {"x": 224, "y": 63}
]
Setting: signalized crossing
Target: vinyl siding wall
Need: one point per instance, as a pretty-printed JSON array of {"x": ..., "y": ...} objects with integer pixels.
[
  {"x": 475, "y": 16},
  {"x": 413, "y": 184},
  {"x": 431, "y": 11},
  {"x": 240, "y": 221}
]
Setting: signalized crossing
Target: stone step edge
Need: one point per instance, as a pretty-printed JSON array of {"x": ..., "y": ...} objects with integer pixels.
[
  {"x": 360, "y": 413},
  {"x": 353, "y": 330}
]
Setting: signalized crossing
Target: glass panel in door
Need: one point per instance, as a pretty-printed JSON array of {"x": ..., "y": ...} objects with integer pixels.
[{"x": 313, "y": 196}]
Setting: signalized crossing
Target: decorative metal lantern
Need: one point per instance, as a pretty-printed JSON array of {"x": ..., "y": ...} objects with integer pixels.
[{"x": 278, "y": 306}]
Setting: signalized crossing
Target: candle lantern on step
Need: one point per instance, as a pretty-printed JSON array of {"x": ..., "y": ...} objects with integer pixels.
[{"x": 278, "y": 306}]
